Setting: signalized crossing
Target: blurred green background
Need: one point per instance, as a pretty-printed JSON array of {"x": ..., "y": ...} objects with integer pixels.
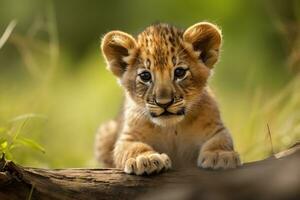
[{"x": 55, "y": 89}]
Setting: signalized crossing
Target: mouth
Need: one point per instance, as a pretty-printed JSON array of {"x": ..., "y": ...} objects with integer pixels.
[{"x": 168, "y": 114}]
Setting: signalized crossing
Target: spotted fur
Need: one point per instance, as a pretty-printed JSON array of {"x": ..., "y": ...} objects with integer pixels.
[{"x": 167, "y": 119}]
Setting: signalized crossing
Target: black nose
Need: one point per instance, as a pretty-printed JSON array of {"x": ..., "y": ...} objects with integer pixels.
[{"x": 164, "y": 104}]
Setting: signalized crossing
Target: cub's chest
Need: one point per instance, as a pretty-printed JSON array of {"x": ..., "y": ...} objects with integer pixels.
[{"x": 182, "y": 145}]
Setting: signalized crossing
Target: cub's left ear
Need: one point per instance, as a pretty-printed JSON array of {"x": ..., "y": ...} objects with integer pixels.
[{"x": 206, "y": 40}]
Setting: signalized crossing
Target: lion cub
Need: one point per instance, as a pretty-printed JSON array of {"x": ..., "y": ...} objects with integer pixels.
[{"x": 169, "y": 118}]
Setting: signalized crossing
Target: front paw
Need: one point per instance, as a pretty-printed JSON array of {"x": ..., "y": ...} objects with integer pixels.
[
  {"x": 147, "y": 164},
  {"x": 218, "y": 159}
]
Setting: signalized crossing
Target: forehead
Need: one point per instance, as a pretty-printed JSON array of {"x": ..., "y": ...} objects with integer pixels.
[{"x": 161, "y": 45}]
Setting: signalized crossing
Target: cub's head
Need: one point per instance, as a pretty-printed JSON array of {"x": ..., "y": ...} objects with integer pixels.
[{"x": 164, "y": 69}]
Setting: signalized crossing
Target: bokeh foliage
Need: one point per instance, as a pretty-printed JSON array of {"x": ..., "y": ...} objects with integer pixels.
[{"x": 53, "y": 76}]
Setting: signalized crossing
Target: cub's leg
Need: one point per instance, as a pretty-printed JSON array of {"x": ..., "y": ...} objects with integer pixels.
[
  {"x": 105, "y": 141},
  {"x": 218, "y": 153},
  {"x": 136, "y": 157}
]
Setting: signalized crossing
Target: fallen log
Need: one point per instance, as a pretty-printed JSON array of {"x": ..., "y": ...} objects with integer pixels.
[{"x": 277, "y": 177}]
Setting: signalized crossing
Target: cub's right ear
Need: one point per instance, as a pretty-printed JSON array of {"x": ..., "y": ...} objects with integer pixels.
[{"x": 118, "y": 49}]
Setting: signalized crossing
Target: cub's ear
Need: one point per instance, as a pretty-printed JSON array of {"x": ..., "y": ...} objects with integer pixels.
[
  {"x": 205, "y": 40},
  {"x": 117, "y": 48}
]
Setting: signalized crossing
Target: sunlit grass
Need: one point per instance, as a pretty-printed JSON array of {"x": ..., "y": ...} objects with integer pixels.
[
  {"x": 11, "y": 136},
  {"x": 249, "y": 113},
  {"x": 75, "y": 104}
]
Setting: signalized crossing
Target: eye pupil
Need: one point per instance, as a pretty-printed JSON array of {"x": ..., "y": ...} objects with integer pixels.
[
  {"x": 180, "y": 72},
  {"x": 145, "y": 76}
]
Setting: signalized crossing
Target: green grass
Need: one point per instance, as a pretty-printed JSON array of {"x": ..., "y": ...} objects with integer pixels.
[
  {"x": 11, "y": 136},
  {"x": 248, "y": 119}
]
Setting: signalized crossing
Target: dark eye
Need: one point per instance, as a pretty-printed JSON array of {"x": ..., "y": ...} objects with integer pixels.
[
  {"x": 179, "y": 72},
  {"x": 145, "y": 76}
]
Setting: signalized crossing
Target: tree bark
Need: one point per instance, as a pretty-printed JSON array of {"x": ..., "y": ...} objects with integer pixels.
[{"x": 277, "y": 177}]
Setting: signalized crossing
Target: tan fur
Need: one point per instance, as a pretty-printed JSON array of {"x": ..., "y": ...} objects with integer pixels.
[
  {"x": 169, "y": 120},
  {"x": 105, "y": 142}
]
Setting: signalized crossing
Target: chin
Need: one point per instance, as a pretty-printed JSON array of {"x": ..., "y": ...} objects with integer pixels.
[{"x": 167, "y": 121}]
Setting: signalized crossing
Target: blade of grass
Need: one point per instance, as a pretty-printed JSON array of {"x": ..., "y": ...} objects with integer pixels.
[
  {"x": 29, "y": 115},
  {"x": 7, "y": 32},
  {"x": 270, "y": 138},
  {"x": 30, "y": 143},
  {"x": 19, "y": 129},
  {"x": 30, "y": 193}
]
